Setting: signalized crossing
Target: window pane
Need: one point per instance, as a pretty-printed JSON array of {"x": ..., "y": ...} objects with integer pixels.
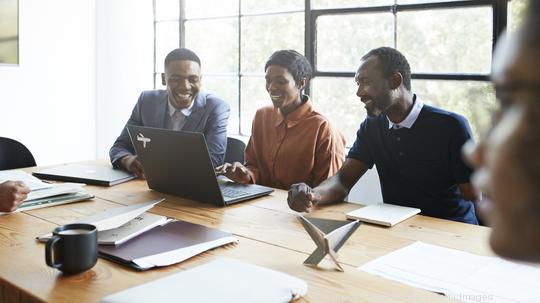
[
  {"x": 225, "y": 87},
  {"x": 211, "y": 8},
  {"x": 343, "y": 39},
  {"x": 348, "y": 3},
  {"x": 9, "y": 32},
  {"x": 257, "y": 6},
  {"x": 167, "y": 9},
  {"x": 447, "y": 40},
  {"x": 262, "y": 35},
  {"x": 9, "y": 52},
  {"x": 254, "y": 96},
  {"x": 167, "y": 39},
  {"x": 215, "y": 42},
  {"x": 336, "y": 99},
  {"x": 472, "y": 99},
  {"x": 516, "y": 12},
  {"x": 157, "y": 81}
]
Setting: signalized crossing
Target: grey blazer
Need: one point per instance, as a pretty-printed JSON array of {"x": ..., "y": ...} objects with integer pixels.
[{"x": 209, "y": 116}]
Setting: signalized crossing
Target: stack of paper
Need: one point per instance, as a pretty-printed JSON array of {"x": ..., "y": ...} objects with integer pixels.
[
  {"x": 140, "y": 240},
  {"x": 222, "y": 280},
  {"x": 459, "y": 275},
  {"x": 131, "y": 229},
  {"x": 45, "y": 194},
  {"x": 114, "y": 220}
]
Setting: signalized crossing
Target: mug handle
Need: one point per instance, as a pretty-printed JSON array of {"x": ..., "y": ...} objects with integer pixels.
[{"x": 49, "y": 248}]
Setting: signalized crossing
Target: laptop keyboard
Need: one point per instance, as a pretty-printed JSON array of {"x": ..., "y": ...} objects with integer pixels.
[{"x": 232, "y": 193}]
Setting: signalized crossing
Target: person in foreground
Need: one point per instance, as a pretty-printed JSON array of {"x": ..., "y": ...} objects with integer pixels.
[
  {"x": 12, "y": 193},
  {"x": 183, "y": 106},
  {"x": 290, "y": 142},
  {"x": 508, "y": 168},
  {"x": 416, "y": 147}
]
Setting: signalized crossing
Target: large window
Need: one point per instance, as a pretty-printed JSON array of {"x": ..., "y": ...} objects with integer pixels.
[
  {"x": 9, "y": 32},
  {"x": 448, "y": 44}
]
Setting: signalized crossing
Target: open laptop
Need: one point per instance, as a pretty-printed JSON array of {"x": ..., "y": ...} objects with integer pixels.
[
  {"x": 178, "y": 163},
  {"x": 94, "y": 174}
]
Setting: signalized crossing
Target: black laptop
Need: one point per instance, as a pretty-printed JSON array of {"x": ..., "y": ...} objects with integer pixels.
[
  {"x": 178, "y": 163},
  {"x": 94, "y": 174}
]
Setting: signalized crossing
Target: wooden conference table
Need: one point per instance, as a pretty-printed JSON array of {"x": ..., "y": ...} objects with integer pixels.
[{"x": 270, "y": 236}]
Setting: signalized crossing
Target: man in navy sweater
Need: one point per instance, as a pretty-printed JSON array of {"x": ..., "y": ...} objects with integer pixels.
[{"x": 416, "y": 147}]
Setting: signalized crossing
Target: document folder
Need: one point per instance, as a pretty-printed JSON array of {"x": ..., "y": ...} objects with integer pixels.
[{"x": 165, "y": 245}]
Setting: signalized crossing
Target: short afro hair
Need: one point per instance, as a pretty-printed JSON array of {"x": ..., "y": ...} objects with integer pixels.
[
  {"x": 393, "y": 61},
  {"x": 294, "y": 62},
  {"x": 182, "y": 54}
]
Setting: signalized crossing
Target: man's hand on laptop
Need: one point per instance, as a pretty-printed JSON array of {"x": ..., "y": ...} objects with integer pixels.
[
  {"x": 12, "y": 193},
  {"x": 235, "y": 171},
  {"x": 302, "y": 198},
  {"x": 133, "y": 165}
]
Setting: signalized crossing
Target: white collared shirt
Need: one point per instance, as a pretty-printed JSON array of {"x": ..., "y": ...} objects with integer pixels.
[
  {"x": 178, "y": 117},
  {"x": 411, "y": 117}
]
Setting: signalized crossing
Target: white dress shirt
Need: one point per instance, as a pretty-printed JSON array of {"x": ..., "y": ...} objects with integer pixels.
[
  {"x": 177, "y": 117},
  {"x": 411, "y": 117}
]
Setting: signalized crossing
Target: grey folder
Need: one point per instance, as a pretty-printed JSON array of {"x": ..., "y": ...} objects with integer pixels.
[
  {"x": 178, "y": 163},
  {"x": 329, "y": 235}
]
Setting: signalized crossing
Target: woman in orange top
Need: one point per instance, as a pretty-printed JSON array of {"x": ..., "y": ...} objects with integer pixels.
[{"x": 290, "y": 142}]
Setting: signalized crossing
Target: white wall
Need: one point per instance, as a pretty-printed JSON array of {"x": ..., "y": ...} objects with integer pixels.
[
  {"x": 125, "y": 52},
  {"x": 48, "y": 101}
]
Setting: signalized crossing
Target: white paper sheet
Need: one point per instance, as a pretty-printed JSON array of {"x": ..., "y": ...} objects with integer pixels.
[
  {"x": 222, "y": 280},
  {"x": 115, "y": 217},
  {"x": 16, "y": 175},
  {"x": 459, "y": 275}
]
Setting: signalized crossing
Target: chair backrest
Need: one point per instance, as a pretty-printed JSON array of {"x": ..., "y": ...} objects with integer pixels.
[
  {"x": 235, "y": 150},
  {"x": 14, "y": 154}
]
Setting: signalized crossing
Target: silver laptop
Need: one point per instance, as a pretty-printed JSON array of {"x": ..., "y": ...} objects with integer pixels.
[
  {"x": 94, "y": 174},
  {"x": 178, "y": 163}
]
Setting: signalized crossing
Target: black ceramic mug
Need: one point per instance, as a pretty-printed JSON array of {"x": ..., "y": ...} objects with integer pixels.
[{"x": 72, "y": 248}]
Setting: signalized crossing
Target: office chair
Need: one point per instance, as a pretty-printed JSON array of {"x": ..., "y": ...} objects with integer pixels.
[
  {"x": 14, "y": 154},
  {"x": 235, "y": 150}
]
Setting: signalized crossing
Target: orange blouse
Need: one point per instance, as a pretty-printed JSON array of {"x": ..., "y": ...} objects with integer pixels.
[{"x": 301, "y": 147}]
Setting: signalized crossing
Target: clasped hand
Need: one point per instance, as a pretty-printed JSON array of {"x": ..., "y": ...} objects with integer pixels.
[
  {"x": 302, "y": 198},
  {"x": 235, "y": 171}
]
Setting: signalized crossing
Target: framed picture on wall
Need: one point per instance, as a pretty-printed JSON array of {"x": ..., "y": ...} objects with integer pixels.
[{"x": 9, "y": 32}]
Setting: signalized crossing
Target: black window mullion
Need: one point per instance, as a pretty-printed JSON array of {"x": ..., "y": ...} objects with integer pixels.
[
  {"x": 500, "y": 19},
  {"x": 416, "y": 76},
  {"x": 499, "y": 23},
  {"x": 155, "y": 44},
  {"x": 181, "y": 23},
  {"x": 309, "y": 40},
  {"x": 239, "y": 66}
]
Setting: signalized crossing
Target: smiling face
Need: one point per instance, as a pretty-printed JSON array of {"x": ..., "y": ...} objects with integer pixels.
[
  {"x": 373, "y": 88},
  {"x": 508, "y": 170},
  {"x": 284, "y": 92},
  {"x": 510, "y": 178},
  {"x": 183, "y": 81}
]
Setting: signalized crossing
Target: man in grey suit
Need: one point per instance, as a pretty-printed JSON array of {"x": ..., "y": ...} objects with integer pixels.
[{"x": 181, "y": 107}]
